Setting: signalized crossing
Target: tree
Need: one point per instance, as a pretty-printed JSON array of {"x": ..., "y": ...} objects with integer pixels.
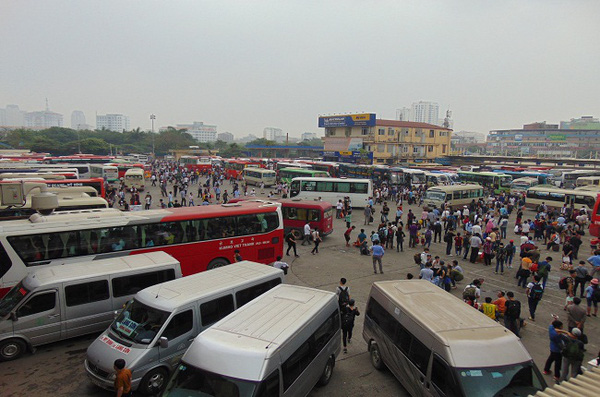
[{"x": 94, "y": 146}]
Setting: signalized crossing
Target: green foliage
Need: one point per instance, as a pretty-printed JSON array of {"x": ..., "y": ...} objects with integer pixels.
[{"x": 262, "y": 142}]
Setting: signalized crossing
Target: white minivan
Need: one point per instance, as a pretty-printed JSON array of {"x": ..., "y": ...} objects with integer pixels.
[
  {"x": 158, "y": 325},
  {"x": 134, "y": 178},
  {"x": 282, "y": 343},
  {"x": 66, "y": 301},
  {"x": 437, "y": 345}
]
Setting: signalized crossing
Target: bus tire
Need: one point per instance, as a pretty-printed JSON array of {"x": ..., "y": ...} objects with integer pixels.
[
  {"x": 297, "y": 234},
  {"x": 215, "y": 263},
  {"x": 154, "y": 381},
  {"x": 11, "y": 349},
  {"x": 376, "y": 358},
  {"x": 327, "y": 372}
]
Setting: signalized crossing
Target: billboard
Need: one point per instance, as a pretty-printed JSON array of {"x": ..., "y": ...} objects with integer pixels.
[{"x": 350, "y": 120}]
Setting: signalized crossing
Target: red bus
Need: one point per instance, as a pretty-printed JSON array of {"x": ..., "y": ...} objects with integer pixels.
[
  {"x": 200, "y": 238},
  {"x": 96, "y": 183},
  {"x": 234, "y": 168},
  {"x": 595, "y": 219},
  {"x": 332, "y": 168},
  {"x": 123, "y": 167},
  {"x": 196, "y": 163},
  {"x": 296, "y": 212}
]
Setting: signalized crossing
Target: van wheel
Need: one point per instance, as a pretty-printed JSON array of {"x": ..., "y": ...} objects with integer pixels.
[
  {"x": 327, "y": 372},
  {"x": 215, "y": 263},
  {"x": 11, "y": 349},
  {"x": 376, "y": 359},
  {"x": 297, "y": 235},
  {"x": 154, "y": 381}
]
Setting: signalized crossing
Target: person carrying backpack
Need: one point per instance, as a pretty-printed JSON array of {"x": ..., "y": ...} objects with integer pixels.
[
  {"x": 472, "y": 292},
  {"x": 349, "y": 312},
  {"x": 343, "y": 293},
  {"x": 513, "y": 313},
  {"x": 572, "y": 354},
  {"x": 534, "y": 293}
]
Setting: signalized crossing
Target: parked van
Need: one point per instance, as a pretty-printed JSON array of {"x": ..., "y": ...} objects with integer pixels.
[
  {"x": 66, "y": 301},
  {"x": 436, "y": 345},
  {"x": 134, "y": 178},
  {"x": 280, "y": 344},
  {"x": 159, "y": 324}
]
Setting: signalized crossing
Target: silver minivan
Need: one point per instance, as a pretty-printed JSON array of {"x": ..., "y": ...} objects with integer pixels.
[
  {"x": 282, "y": 343},
  {"x": 437, "y": 345},
  {"x": 66, "y": 301},
  {"x": 158, "y": 325}
]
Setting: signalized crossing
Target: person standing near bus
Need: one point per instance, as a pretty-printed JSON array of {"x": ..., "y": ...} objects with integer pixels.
[
  {"x": 378, "y": 253},
  {"x": 307, "y": 234},
  {"x": 349, "y": 313},
  {"x": 348, "y": 218},
  {"x": 317, "y": 240},
  {"x": 148, "y": 201},
  {"x": 291, "y": 242}
]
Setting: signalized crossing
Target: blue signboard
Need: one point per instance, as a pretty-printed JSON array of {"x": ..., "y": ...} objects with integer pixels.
[{"x": 351, "y": 120}]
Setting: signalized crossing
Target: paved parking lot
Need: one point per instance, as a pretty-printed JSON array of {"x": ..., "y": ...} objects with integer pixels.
[{"x": 57, "y": 369}]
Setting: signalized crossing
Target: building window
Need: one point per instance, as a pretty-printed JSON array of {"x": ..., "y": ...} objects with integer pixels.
[
  {"x": 430, "y": 148},
  {"x": 390, "y": 132},
  {"x": 381, "y": 131},
  {"x": 381, "y": 148},
  {"x": 443, "y": 133},
  {"x": 405, "y": 149},
  {"x": 431, "y": 133},
  {"x": 416, "y": 149},
  {"x": 444, "y": 148},
  {"x": 329, "y": 131},
  {"x": 405, "y": 132},
  {"x": 365, "y": 131},
  {"x": 348, "y": 131}
]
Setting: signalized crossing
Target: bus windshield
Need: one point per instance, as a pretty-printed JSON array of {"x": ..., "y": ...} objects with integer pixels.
[
  {"x": 12, "y": 299},
  {"x": 139, "y": 323},
  {"x": 433, "y": 195},
  {"x": 190, "y": 381},
  {"x": 505, "y": 181},
  {"x": 510, "y": 380}
]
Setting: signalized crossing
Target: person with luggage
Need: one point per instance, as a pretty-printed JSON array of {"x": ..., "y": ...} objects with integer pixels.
[
  {"x": 512, "y": 315},
  {"x": 534, "y": 293}
]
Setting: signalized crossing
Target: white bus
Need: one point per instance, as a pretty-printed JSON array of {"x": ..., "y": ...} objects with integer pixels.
[
  {"x": 554, "y": 197},
  {"x": 254, "y": 176},
  {"x": 280, "y": 344},
  {"x": 67, "y": 201},
  {"x": 520, "y": 185},
  {"x": 570, "y": 178},
  {"x": 134, "y": 178},
  {"x": 453, "y": 195},
  {"x": 109, "y": 173},
  {"x": 333, "y": 189},
  {"x": 437, "y": 345},
  {"x": 588, "y": 181}
]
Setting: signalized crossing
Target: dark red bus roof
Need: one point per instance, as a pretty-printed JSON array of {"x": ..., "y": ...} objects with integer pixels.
[
  {"x": 299, "y": 203},
  {"x": 183, "y": 213}
]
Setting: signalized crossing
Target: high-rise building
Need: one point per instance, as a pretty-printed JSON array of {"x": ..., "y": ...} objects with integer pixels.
[
  {"x": 403, "y": 114},
  {"x": 112, "y": 122},
  {"x": 225, "y": 137},
  {"x": 273, "y": 134},
  {"x": 425, "y": 112},
  {"x": 13, "y": 116},
  {"x": 43, "y": 119},
  {"x": 78, "y": 120},
  {"x": 307, "y": 136},
  {"x": 200, "y": 131}
]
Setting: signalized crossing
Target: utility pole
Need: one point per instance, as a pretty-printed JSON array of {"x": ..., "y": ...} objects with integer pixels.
[{"x": 152, "y": 118}]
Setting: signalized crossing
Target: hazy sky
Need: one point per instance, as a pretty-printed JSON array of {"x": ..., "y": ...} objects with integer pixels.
[{"x": 245, "y": 65}]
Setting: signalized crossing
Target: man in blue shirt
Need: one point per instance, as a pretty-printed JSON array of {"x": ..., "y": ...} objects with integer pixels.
[
  {"x": 595, "y": 262},
  {"x": 555, "y": 333},
  {"x": 378, "y": 253}
]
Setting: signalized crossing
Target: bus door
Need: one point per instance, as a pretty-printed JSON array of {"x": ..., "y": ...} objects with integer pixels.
[{"x": 570, "y": 200}]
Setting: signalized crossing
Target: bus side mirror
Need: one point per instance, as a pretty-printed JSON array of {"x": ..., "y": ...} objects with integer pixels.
[
  {"x": 13, "y": 316},
  {"x": 163, "y": 342}
]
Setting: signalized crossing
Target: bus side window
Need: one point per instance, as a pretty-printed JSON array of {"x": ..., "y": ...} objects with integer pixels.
[
  {"x": 302, "y": 214},
  {"x": 314, "y": 215},
  {"x": 55, "y": 246},
  {"x": 441, "y": 377}
]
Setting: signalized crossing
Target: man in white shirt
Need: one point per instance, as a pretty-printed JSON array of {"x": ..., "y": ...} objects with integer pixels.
[
  {"x": 426, "y": 273},
  {"x": 279, "y": 264},
  {"x": 307, "y": 233}
]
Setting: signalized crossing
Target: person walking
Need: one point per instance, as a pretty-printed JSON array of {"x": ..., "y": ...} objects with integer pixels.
[
  {"x": 556, "y": 347},
  {"x": 348, "y": 218},
  {"x": 581, "y": 277},
  {"x": 487, "y": 251},
  {"x": 122, "y": 378},
  {"x": 572, "y": 354},
  {"x": 368, "y": 214},
  {"x": 594, "y": 260},
  {"x": 291, "y": 242},
  {"x": 512, "y": 315},
  {"x": 377, "y": 252},
  {"x": 523, "y": 273},
  {"x": 349, "y": 313},
  {"x": 400, "y": 238},
  {"x": 347, "y": 235},
  {"x": 592, "y": 296},
  {"x": 475, "y": 243},
  {"x": 307, "y": 234},
  {"x": 534, "y": 293},
  {"x": 317, "y": 240},
  {"x": 576, "y": 315},
  {"x": 449, "y": 239}
]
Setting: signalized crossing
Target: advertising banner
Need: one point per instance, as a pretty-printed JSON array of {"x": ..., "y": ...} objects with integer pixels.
[{"x": 350, "y": 120}]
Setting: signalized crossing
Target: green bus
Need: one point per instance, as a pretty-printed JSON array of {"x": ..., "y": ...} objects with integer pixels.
[
  {"x": 499, "y": 183},
  {"x": 287, "y": 174}
]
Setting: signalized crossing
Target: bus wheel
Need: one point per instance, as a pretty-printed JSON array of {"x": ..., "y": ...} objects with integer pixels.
[
  {"x": 154, "y": 381},
  {"x": 11, "y": 349},
  {"x": 327, "y": 372},
  {"x": 376, "y": 359},
  {"x": 296, "y": 233},
  {"x": 215, "y": 263}
]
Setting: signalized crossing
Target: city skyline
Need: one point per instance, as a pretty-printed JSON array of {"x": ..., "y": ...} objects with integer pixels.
[{"x": 240, "y": 75}]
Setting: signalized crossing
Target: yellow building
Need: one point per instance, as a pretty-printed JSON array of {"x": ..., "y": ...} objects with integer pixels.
[{"x": 390, "y": 141}]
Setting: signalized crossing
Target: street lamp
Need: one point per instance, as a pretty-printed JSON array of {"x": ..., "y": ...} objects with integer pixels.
[{"x": 152, "y": 118}]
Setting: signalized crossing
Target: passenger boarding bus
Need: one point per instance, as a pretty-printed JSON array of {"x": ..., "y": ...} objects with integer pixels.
[
  {"x": 155, "y": 328},
  {"x": 520, "y": 185},
  {"x": 254, "y": 176},
  {"x": 333, "y": 189},
  {"x": 437, "y": 345},
  {"x": 134, "y": 178},
  {"x": 200, "y": 238},
  {"x": 453, "y": 195},
  {"x": 108, "y": 173},
  {"x": 554, "y": 197},
  {"x": 498, "y": 183},
  {"x": 588, "y": 181},
  {"x": 283, "y": 343},
  {"x": 67, "y": 301},
  {"x": 287, "y": 174}
]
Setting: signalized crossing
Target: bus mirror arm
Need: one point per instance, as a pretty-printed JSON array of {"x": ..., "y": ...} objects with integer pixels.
[
  {"x": 163, "y": 342},
  {"x": 13, "y": 316}
]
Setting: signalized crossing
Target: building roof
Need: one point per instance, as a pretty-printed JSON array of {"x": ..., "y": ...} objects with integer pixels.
[{"x": 408, "y": 124}]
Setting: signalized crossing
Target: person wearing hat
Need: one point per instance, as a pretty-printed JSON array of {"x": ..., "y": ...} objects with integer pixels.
[
  {"x": 592, "y": 293},
  {"x": 572, "y": 354},
  {"x": 488, "y": 249},
  {"x": 349, "y": 312}
]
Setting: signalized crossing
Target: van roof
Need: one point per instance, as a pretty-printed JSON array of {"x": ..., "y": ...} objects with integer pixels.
[
  {"x": 88, "y": 269},
  {"x": 173, "y": 294},
  {"x": 256, "y": 331},
  {"x": 446, "y": 318}
]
